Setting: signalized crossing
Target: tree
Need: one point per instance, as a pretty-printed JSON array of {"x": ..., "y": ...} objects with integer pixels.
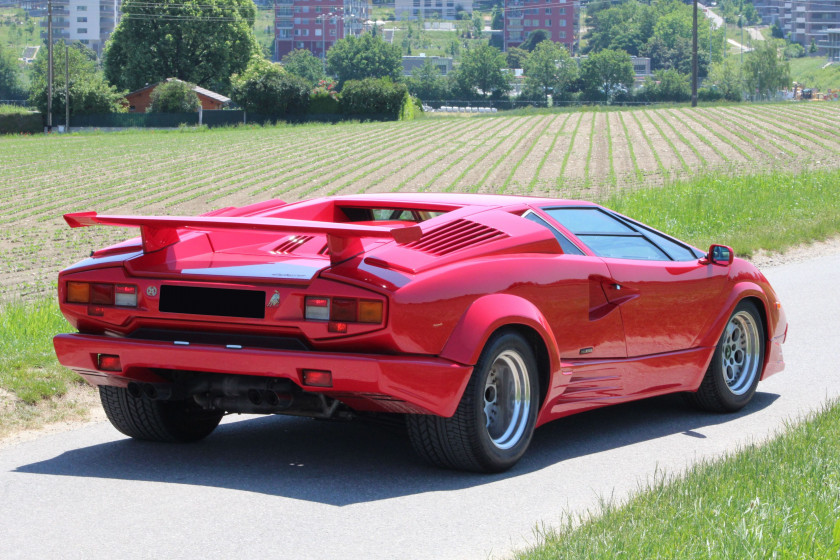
[
  {"x": 477, "y": 25},
  {"x": 482, "y": 69},
  {"x": 174, "y": 96},
  {"x": 534, "y": 38},
  {"x": 765, "y": 71},
  {"x": 10, "y": 87},
  {"x": 607, "y": 73},
  {"x": 268, "y": 89},
  {"x": 550, "y": 69},
  {"x": 516, "y": 57},
  {"x": 497, "y": 18},
  {"x": 776, "y": 31},
  {"x": 302, "y": 63},
  {"x": 357, "y": 58},
  {"x": 198, "y": 41},
  {"x": 726, "y": 76},
  {"x": 427, "y": 83},
  {"x": 89, "y": 92}
]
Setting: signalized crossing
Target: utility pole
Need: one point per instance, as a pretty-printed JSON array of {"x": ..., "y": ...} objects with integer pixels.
[
  {"x": 66, "y": 88},
  {"x": 694, "y": 58},
  {"x": 49, "y": 66}
]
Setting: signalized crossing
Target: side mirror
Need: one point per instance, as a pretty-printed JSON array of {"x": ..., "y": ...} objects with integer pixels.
[{"x": 720, "y": 254}]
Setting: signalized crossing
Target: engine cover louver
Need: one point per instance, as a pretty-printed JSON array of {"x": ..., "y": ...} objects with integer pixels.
[
  {"x": 291, "y": 244},
  {"x": 455, "y": 236}
]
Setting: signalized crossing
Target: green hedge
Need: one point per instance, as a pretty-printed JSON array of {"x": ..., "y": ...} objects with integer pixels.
[
  {"x": 22, "y": 122},
  {"x": 373, "y": 96}
]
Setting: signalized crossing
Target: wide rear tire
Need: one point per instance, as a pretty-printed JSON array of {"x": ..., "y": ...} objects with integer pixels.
[
  {"x": 169, "y": 421},
  {"x": 495, "y": 420},
  {"x": 732, "y": 377}
]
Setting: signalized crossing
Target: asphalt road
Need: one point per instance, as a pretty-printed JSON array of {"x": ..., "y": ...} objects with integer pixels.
[{"x": 294, "y": 488}]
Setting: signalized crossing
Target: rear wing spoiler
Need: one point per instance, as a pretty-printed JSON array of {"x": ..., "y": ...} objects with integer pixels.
[{"x": 159, "y": 232}]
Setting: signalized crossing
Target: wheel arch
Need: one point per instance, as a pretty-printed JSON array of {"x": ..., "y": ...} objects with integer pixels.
[{"x": 491, "y": 315}]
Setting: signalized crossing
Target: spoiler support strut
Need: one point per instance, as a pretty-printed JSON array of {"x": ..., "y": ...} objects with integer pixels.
[{"x": 159, "y": 232}]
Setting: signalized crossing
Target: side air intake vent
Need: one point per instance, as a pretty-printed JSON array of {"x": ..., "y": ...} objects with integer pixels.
[
  {"x": 455, "y": 236},
  {"x": 291, "y": 244}
]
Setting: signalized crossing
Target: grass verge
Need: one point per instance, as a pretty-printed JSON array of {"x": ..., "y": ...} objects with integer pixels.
[
  {"x": 776, "y": 500},
  {"x": 32, "y": 382},
  {"x": 752, "y": 212}
]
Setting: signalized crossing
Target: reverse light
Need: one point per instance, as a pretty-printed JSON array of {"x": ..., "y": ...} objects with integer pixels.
[
  {"x": 340, "y": 311},
  {"x": 317, "y": 309},
  {"x": 317, "y": 378}
]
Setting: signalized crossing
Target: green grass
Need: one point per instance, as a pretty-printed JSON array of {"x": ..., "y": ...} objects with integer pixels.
[
  {"x": 768, "y": 211},
  {"x": 264, "y": 27},
  {"x": 28, "y": 366},
  {"x": 809, "y": 72},
  {"x": 777, "y": 500},
  {"x": 17, "y": 30}
]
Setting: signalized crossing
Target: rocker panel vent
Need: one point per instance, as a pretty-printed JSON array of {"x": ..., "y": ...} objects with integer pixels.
[{"x": 455, "y": 236}]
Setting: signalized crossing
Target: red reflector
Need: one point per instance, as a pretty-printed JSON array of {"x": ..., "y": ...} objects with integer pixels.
[
  {"x": 337, "y": 327},
  {"x": 109, "y": 362},
  {"x": 317, "y": 302},
  {"x": 96, "y": 310},
  {"x": 317, "y": 378},
  {"x": 125, "y": 289}
]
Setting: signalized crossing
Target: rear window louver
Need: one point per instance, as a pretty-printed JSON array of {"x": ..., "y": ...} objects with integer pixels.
[
  {"x": 455, "y": 236},
  {"x": 291, "y": 244}
]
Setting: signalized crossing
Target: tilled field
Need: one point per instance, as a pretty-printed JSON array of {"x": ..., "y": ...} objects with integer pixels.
[{"x": 586, "y": 154}]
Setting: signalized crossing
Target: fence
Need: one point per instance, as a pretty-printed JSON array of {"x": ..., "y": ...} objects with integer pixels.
[{"x": 208, "y": 118}]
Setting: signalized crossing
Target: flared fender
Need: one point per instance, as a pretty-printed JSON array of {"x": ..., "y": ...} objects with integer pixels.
[
  {"x": 776, "y": 322},
  {"x": 487, "y": 315}
]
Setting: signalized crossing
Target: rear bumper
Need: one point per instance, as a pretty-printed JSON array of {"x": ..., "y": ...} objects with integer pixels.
[{"x": 394, "y": 383}]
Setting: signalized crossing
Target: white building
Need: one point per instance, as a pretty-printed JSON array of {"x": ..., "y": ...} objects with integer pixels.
[
  {"x": 90, "y": 22},
  {"x": 431, "y": 9}
]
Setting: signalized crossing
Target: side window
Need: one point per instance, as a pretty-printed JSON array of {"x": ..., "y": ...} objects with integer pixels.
[
  {"x": 568, "y": 247},
  {"x": 609, "y": 236}
]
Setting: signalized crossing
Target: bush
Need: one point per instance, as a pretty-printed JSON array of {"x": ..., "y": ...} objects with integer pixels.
[
  {"x": 17, "y": 120},
  {"x": 794, "y": 50},
  {"x": 710, "y": 94},
  {"x": 324, "y": 99},
  {"x": 374, "y": 96},
  {"x": 267, "y": 89},
  {"x": 174, "y": 97}
]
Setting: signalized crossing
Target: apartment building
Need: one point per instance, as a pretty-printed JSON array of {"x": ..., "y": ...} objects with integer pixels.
[
  {"x": 431, "y": 9},
  {"x": 315, "y": 25},
  {"x": 90, "y": 22},
  {"x": 803, "y": 21},
  {"x": 558, "y": 17}
]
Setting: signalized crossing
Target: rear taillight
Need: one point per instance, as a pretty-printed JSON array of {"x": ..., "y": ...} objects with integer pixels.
[
  {"x": 341, "y": 311},
  {"x": 99, "y": 294}
]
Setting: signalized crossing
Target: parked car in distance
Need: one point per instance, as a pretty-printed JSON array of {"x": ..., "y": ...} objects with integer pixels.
[{"x": 477, "y": 318}]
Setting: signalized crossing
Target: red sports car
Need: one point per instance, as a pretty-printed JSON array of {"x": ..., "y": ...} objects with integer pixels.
[{"x": 476, "y": 317}]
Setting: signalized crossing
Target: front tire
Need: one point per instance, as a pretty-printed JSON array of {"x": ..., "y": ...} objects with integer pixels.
[
  {"x": 169, "y": 421},
  {"x": 732, "y": 377},
  {"x": 494, "y": 422}
]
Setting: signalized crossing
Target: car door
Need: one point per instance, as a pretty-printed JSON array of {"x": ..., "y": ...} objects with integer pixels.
[{"x": 665, "y": 305}]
